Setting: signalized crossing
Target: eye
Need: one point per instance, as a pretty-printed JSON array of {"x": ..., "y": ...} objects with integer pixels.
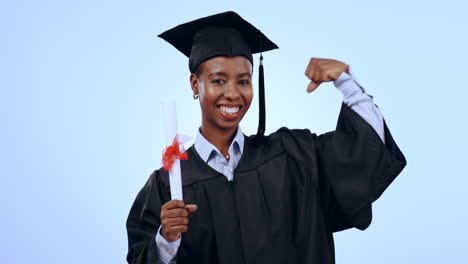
[
  {"x": 218, "y": 81},
  {"x": 244, "y": 82}
]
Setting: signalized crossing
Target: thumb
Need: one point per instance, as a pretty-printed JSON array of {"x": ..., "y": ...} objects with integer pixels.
[
  {"x": 312, "y": 86},
  {"x": 191, "y": 208}
]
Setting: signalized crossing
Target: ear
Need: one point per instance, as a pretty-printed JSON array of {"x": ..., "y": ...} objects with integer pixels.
[{"x": 194, "y": 83}]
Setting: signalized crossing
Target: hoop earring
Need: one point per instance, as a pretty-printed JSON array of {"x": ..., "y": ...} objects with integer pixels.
[{"x": 195, "y": 96}]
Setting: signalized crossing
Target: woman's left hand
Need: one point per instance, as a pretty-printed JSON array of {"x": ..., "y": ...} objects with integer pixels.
[{"x": 323, "y": 70}]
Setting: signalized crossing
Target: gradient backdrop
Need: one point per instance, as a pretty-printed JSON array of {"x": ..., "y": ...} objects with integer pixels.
[{"x": 81, "y": 83}]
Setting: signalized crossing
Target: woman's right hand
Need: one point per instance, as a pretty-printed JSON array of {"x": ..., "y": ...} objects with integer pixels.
[{"x": 174, "y": 219}]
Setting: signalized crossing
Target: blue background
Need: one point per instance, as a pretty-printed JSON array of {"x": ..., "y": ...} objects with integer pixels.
[{"x": 81, "y": 84}]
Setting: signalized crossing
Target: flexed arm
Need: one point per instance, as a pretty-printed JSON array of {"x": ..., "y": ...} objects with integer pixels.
[{"x": 354, "y": 96}]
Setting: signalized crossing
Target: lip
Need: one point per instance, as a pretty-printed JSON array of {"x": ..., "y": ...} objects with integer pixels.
[{"x": 229, "y": 116}]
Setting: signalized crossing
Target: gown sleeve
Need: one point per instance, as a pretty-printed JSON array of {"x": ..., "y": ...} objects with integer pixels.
[
  {"x": 354, "y": 167},
  {"x": 143, "y": 222}
]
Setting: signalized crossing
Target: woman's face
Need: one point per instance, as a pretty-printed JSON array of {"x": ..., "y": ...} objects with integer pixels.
[{"x": 224, "y": 86}]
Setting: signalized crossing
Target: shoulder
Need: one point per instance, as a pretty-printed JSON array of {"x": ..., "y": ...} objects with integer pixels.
[
  {"x": 280, "y": 135},
  {"x": 282, "y": 139},
  {"x": 294, "y": 142},
  {"x": 157, "y": 181},
  {"x": 289, "y": 139},
  {"x": 295, "y": 134}
]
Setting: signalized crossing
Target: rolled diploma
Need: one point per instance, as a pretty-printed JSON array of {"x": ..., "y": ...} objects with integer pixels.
[{"x": 170, "y": 131}]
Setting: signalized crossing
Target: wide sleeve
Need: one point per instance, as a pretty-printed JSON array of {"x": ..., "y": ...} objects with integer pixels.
[
  {"x": 143, "y": 222},
  {"x": 351, "y": 167},
  {"x": 355, "y": 168}
]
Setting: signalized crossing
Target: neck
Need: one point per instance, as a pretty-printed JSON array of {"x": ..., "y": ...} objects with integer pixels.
[{"x": 221, "y": 139}]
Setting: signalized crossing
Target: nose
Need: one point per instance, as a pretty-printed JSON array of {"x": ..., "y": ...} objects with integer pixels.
[{"x": 231, "y": 91}]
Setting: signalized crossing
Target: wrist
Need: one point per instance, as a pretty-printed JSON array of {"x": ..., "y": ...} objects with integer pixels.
[
  {"x": 346, "y": 68},
  {"x": 169, "y": 237}
]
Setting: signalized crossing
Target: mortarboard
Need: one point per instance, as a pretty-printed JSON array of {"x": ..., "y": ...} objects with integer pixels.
[{"x": 223, "y": 34}]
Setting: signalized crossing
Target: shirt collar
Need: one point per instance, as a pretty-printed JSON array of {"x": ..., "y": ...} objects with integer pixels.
[{"x": 205, "y": 148}]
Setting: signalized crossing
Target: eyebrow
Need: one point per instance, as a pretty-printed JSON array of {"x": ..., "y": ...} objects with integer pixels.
[
  {"x": 223, "y": 74},
  {"x": 244, "y": 74}
]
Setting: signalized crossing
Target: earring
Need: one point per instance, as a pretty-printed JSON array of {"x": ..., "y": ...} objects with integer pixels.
[{"x": 195, "y": 96}]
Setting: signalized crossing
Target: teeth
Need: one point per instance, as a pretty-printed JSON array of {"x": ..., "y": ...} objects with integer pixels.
[{"x": 229, "y": 110}]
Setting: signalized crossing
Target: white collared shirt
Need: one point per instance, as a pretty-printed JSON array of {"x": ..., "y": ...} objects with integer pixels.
[{"x": 213, "y": 157}]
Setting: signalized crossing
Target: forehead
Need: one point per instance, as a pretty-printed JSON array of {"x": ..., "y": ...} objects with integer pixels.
[{"x": 237, "y": 64}]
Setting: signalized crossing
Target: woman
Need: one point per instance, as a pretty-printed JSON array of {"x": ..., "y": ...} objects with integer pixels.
[{"x": 260, "y": 199}]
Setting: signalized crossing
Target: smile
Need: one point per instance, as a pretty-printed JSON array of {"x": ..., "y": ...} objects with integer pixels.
[{"x": 229, "y": 110}]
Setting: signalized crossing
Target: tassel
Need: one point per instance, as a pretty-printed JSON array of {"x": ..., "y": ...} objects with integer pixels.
[{"x": 261, "y": 99}]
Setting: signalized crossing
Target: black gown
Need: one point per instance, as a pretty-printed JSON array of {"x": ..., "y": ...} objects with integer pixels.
[{"x": 291, "y": 191}]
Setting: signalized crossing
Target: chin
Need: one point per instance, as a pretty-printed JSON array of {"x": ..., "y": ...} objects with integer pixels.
[{"x": 226, "y": 126}]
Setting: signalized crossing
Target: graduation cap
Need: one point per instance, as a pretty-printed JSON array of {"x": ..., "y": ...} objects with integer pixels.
[{"x": 223, "y": 34}]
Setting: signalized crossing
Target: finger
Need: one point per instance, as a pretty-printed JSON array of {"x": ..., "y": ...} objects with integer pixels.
[
  {"x": 178, "y": 212},
  {"x": 325, "y": 76},
  {"x": 191, "y": 208},
  {"x": 176, "y": 229},
  {"x": 312, "y": 86},
  {"x": 168, "y": 222},
  {"x": 310, "y": 68},
  {"x": 173, "y": 204},
  {"x": 317, "y": 72}
]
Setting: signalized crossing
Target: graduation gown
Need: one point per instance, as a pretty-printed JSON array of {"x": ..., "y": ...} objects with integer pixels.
[{"x": 291, "y": 191}]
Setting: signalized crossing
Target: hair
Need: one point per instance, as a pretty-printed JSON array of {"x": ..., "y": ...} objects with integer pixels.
[{"x": 197, "y": 70}]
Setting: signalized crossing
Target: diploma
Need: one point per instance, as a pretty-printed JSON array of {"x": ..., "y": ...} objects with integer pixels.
[{"x": 170, "y": 133}]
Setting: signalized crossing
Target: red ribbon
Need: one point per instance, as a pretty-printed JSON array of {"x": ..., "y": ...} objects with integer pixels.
[{"x": 173, "y": 152}]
